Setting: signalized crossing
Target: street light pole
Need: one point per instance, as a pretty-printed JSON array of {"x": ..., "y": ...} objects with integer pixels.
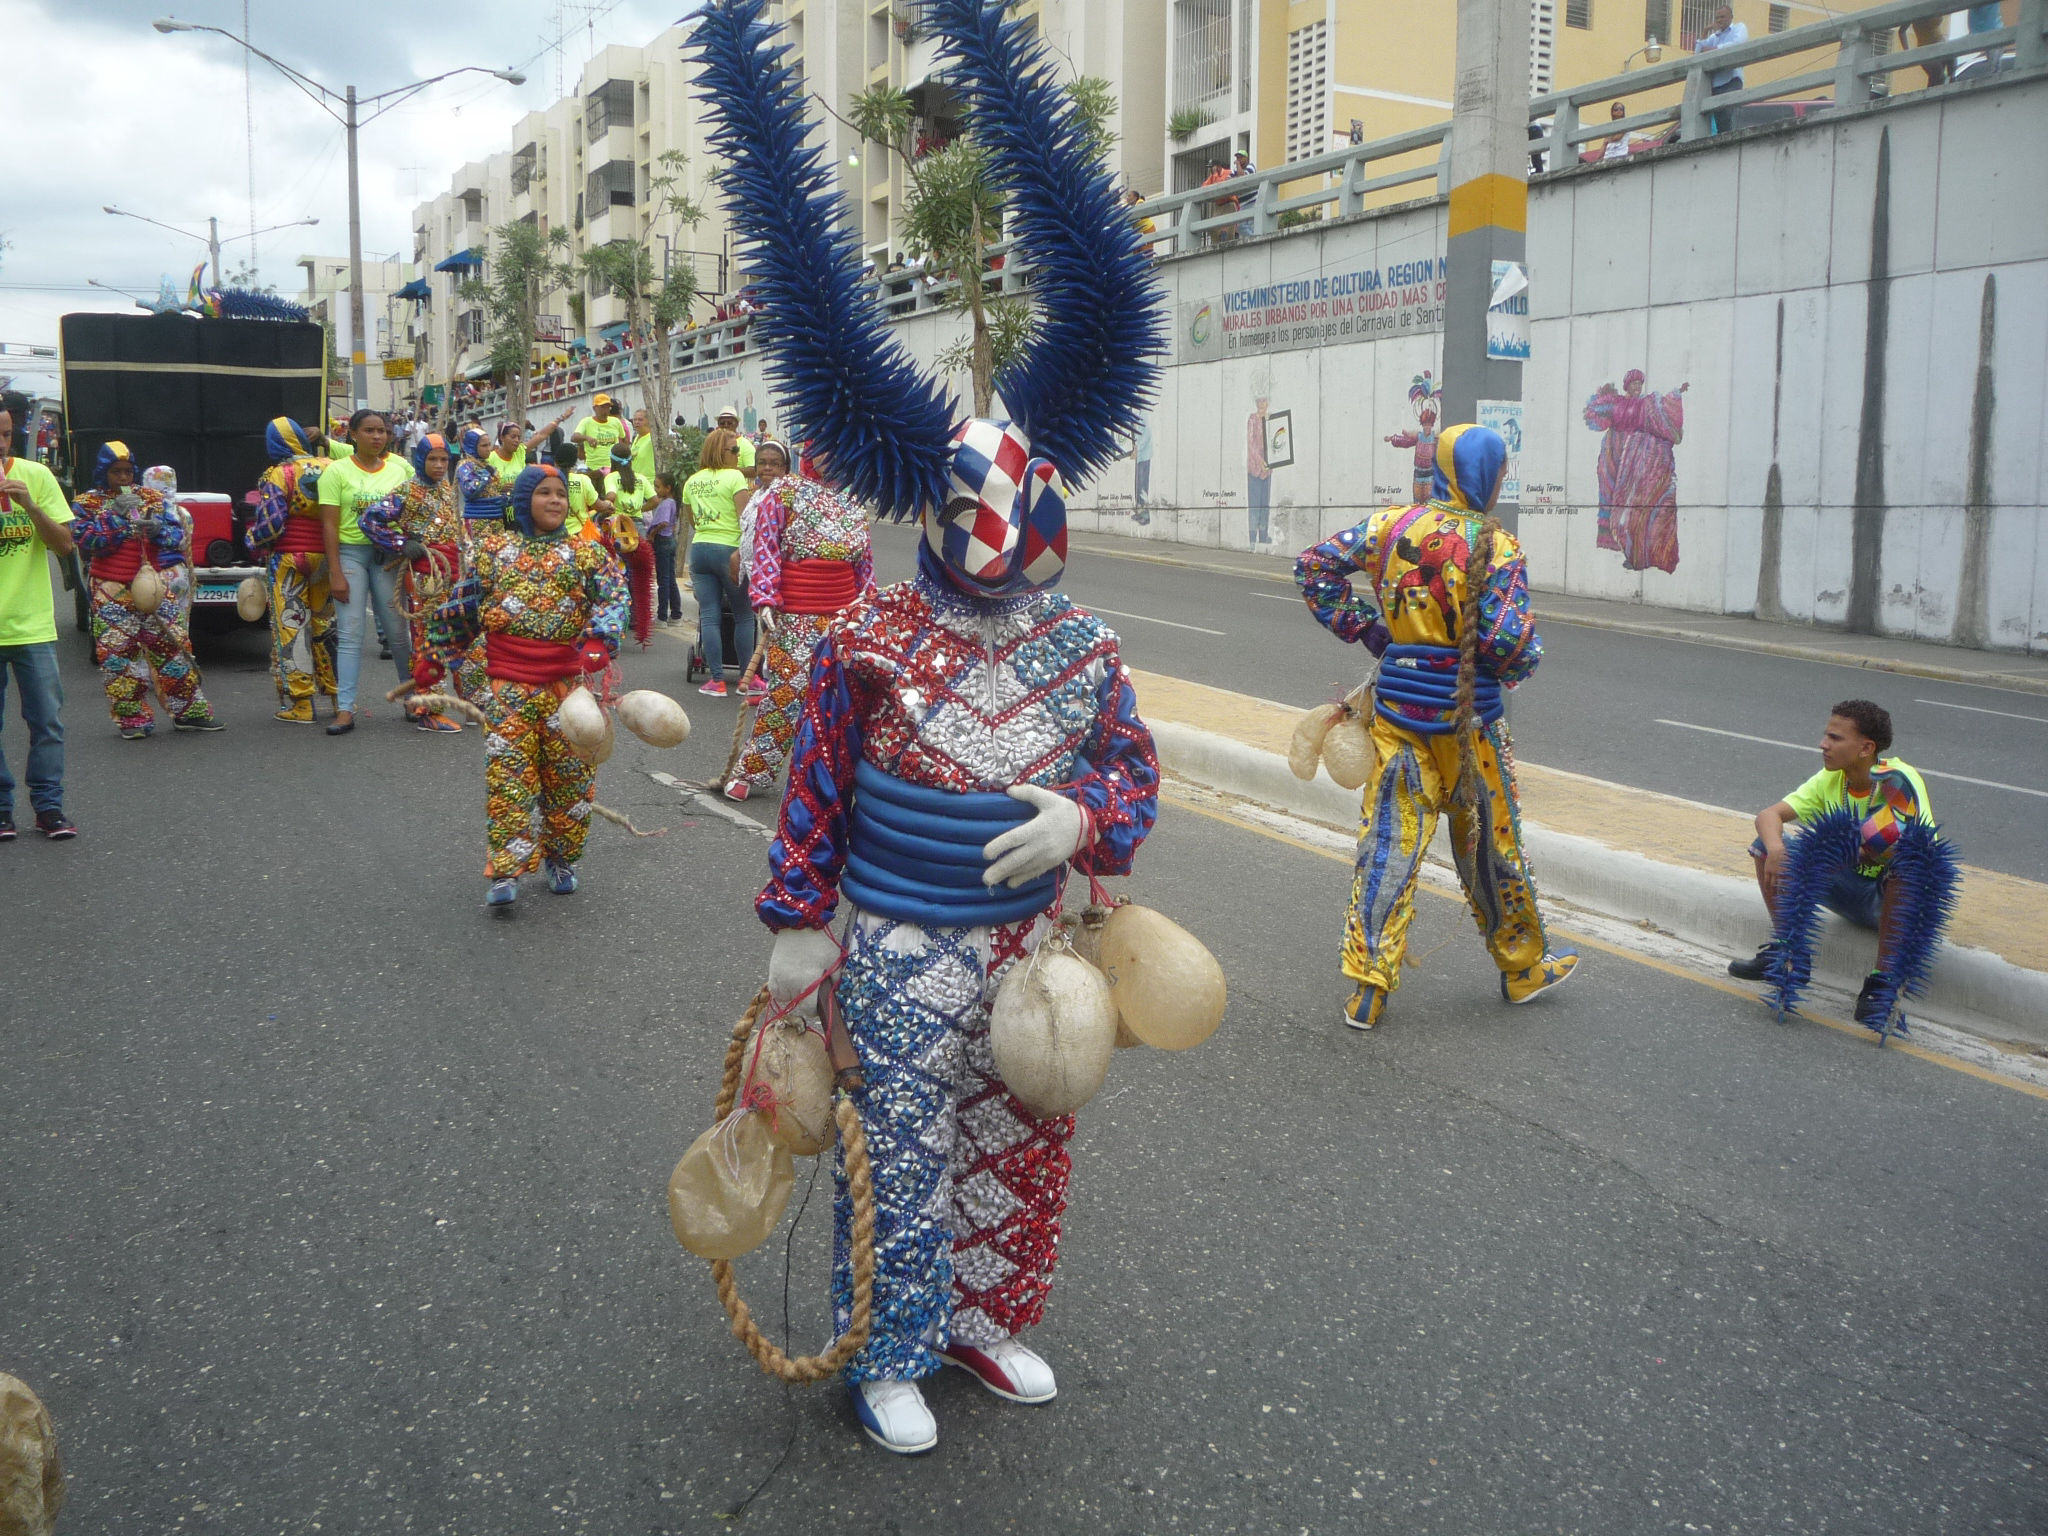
[
  {"x": 212, "y": 235},
  {"x": 1489, "y": 212},
  {"x": 359, "y": 371},
  {"x": 213, "y": 246},
  {"x": 350, "y": 120}
]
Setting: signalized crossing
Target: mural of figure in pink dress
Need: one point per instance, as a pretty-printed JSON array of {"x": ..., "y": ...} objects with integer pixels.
[{"x": 1638, "y": 473}]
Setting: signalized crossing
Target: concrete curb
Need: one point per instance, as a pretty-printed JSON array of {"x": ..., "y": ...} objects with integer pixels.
[{"x": 1972, "y": 989}]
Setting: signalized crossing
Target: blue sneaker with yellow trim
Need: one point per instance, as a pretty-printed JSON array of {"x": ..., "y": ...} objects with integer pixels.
[{"x": 1546, "y": 975}]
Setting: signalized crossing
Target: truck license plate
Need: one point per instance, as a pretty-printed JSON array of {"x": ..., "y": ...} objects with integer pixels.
[{"x": 215, "y": 592}]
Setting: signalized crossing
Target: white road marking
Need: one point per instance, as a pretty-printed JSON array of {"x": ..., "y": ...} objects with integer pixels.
[
  {"x": 1278, "y": 597},
  {"x": 706, "y": 801},
  {"x": 1146, "y": 618},
  {"x": 1931, "y": 773},
  {"x": 1979, "y": 710}
]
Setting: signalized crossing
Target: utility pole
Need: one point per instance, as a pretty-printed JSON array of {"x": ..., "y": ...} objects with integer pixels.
[
  {"x": 213, "y": 247},
  {"x": 1489, "y": 213},
  {"x": 359, "y": 386}
]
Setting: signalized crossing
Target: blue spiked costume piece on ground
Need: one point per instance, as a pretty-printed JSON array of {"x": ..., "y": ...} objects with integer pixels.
[{"x": 1924, "y": 880}]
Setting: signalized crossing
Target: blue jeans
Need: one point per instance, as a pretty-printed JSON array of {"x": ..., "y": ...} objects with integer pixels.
[
  {"x": 42, "y": 701},
  {"x": 711, "y": 581},
  {"x": 369, "y": 585},
  {"x": 1258, "y": 496},
  {"x": 668, "y": 597},
  {"x": 1854, "y": 895},
  {"x": 1722, "y": 122}
]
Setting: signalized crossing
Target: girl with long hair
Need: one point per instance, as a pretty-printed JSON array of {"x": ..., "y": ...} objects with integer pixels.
[{"x": 717, "y": 494}]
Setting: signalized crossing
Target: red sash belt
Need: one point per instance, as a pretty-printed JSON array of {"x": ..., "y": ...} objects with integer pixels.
[
  {"x": 301, "y": 536},
  {"x": 448, "y": 552},
  {"x": 818, "y": 586},
  {"x": 515, "y": 659},
  {"x": 121, "y": 564}
]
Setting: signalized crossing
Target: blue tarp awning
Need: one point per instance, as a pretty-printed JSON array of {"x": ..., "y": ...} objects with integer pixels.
[
  {"x": 460, "y": 260},
  {"x": 417, "y": 289}
]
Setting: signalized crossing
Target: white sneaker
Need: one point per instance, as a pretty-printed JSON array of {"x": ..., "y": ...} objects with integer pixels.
[
  {"x": 893, "y": 1415},
  {"x": 1007, "y": 1369}
]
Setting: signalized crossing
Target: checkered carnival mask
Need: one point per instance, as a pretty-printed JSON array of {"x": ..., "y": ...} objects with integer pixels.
[{"x": 1003, "y": 528}]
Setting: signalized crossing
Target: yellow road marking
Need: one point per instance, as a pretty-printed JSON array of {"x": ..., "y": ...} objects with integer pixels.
[{"x": 1840, "y": 1026}]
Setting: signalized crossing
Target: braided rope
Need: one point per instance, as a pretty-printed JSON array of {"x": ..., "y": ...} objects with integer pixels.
[
  {"x": 860, "y": 1184},
  {"x": 433, "y": 588},
  {"x": 1467, "y": 790}
]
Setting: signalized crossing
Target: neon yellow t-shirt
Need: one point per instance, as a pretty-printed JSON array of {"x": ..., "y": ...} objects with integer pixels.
[
  {"x": 582, "y": 497},
  {"x": 600, "y": 435},
  {"x": 634, "y": 502},
  {"x": 745, "y": 449},
  {"x": 713, "y": 495},
  {"x": 1828, "y": 791},
  {"x": 506, "y": 470},
  {"x": 346, "y": 486},
  {"x": 643, "y": 457},
  {"x": 28, "y": 609}
]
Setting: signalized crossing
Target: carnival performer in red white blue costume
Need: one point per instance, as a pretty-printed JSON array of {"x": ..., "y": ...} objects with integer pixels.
[{"x": 966, "y": 737}]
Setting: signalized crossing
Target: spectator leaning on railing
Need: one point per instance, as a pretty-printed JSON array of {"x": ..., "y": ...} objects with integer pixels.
[{"x": 1726, "y": 34}]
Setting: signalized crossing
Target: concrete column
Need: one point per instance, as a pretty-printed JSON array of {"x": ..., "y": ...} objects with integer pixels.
[{"x": 1489, "y": 214}]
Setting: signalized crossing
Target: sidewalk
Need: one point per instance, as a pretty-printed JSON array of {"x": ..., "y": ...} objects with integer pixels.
[
  {"x": 1803, "y": 642},
  {"x": 1638, "y": 855}
]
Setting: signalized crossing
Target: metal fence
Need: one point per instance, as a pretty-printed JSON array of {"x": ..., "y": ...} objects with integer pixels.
[{"x": 1853, "y": 66}]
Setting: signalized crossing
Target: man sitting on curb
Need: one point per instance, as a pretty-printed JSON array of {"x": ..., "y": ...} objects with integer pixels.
[{"x": 1854, "y": 775}]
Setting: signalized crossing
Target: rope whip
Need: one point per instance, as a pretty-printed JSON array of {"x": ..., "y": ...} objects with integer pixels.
[{"x": 860, "y": 1185}]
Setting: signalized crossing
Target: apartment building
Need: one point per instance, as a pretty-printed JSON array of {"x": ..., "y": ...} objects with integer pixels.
[{"x": 1284, "y": 80}]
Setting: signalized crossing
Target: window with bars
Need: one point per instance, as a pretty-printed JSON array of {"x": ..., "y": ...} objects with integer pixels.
[
  {"x": 1656, "y": 21},
  {"x": 1201, "y": 53},
  {"x": 1780, "y": 18},
  {"x": 1696, "y": 21},
  {"x": 1308, "y": 95},
  {"x": 522, "y": 167},
  {"x": 1542, "y": 45},
  {"x": 1245, "y": 18},
  {"x": 610, "y": 185},
  {"x": 1579, "y": 13},
  {"x": 609, "y": 106}
]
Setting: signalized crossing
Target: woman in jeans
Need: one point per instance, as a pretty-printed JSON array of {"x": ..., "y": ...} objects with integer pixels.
[
  {"x": 661, "y": 533},
  {"x": 361, "y": 579},
  {"x": 717, "y": 494}
]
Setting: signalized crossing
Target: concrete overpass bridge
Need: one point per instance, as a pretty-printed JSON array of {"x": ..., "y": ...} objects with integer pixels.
[{"x": 1839, "y": 316}]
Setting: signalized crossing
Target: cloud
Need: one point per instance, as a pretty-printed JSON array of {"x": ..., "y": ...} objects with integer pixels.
[{"x": 155, "y": 124}]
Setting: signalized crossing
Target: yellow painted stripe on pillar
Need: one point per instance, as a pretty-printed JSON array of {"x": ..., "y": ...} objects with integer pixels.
[{"x": 1499, "y": 202}]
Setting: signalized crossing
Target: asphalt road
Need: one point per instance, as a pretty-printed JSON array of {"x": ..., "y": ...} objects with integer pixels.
[
  {"x": 332, "y": 1202},
  {"x": 1632, "y": 709}
]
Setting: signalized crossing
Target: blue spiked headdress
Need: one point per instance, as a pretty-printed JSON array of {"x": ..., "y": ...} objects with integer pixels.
[{"x": 879, "y": 425}]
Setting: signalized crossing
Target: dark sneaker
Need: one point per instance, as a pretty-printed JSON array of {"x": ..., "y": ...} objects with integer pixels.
[
  {"x": 1875, "y": 1012},
  {"x": 55, "y": 825},
  {"x": 7, "y": 832},
  {"x": 561, "y": 879},
  {"x": 1757, "y": 969},
  {"x": 208, "y": 724}
]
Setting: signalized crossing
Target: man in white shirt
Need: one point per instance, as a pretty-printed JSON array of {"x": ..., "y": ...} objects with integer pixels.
[{"x": 1726, "y": 34}]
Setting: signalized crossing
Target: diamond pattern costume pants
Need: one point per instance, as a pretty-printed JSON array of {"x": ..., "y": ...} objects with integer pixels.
[
  {"x": 301, "y": 631},
  {"x": 785, "y": 668},
  {"x": 131, "y": 649},
  {"x": 969, "y": 1185},
  {"x": 1408, "y": 791},
  {"x": 529, "y": 767}
]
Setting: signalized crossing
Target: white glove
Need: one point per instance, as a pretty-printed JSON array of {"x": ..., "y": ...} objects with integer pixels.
[
  {"x": 800, "y": 957},
  {"x": 1045, "y": 842}
]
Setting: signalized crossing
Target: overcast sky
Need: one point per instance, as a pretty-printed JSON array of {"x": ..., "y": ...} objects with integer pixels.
[{"x": 99, "y": 109}]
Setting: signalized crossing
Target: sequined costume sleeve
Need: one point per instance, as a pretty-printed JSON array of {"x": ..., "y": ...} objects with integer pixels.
[
  {"x": 476, "y": 481},
  {"x": 1509, "y": 646},
  {"x": 1324, "y": 574},
  {"x": 273, "y": 506},
  {"x": 462, "y": 612},
  {"x": 771, "y": 516},
  {"x": 604, "y": 583},
  {"x": 94, "y": 529},
  {"x": 810, "y": 842},
  {"x": 1120, "y": 790}
]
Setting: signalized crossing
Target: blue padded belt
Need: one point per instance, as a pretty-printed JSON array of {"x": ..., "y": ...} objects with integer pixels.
[
  {"x": 1406, "y": 677},
  {"x": 914, "y": 854}
]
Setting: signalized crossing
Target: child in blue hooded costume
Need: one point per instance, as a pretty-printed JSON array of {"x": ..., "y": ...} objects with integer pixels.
[
  {"x": 287, "y": 527},
  {"x": 1445, "y": 606},
  {"x": 543, "y": 609},
  {"x": 967, "y": 737}
]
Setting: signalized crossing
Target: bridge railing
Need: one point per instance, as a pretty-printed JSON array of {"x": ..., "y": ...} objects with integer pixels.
[{"x": 1850, "y": 69}]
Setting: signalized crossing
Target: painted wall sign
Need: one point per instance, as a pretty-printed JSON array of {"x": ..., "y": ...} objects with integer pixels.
[{"x": 1403, "y": 298}]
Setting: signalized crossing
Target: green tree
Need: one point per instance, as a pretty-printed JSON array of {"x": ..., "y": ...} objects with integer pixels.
[
  {"x": 952, "y": 212},
  {"x": 525, "y": 267}
]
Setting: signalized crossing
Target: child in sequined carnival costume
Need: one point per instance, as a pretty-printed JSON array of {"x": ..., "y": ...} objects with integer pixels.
[
  {"x": 547, "y": 609},
  {"x": 484, "y": 485},
  {"x": 812, "y": 559},
  {"x": 1446, "y": 607},
  {"x": 428, "y": 521},
  {"x": 965, "y": 737},
  {"x": 118, "y": 524},
  {"x": 286, "y": 527}
]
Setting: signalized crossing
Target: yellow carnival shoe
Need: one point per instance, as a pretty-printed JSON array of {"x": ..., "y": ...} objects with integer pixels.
[
  {"x": 1365, "y": 1007},
  {"x": 1546, "y": 975}
]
